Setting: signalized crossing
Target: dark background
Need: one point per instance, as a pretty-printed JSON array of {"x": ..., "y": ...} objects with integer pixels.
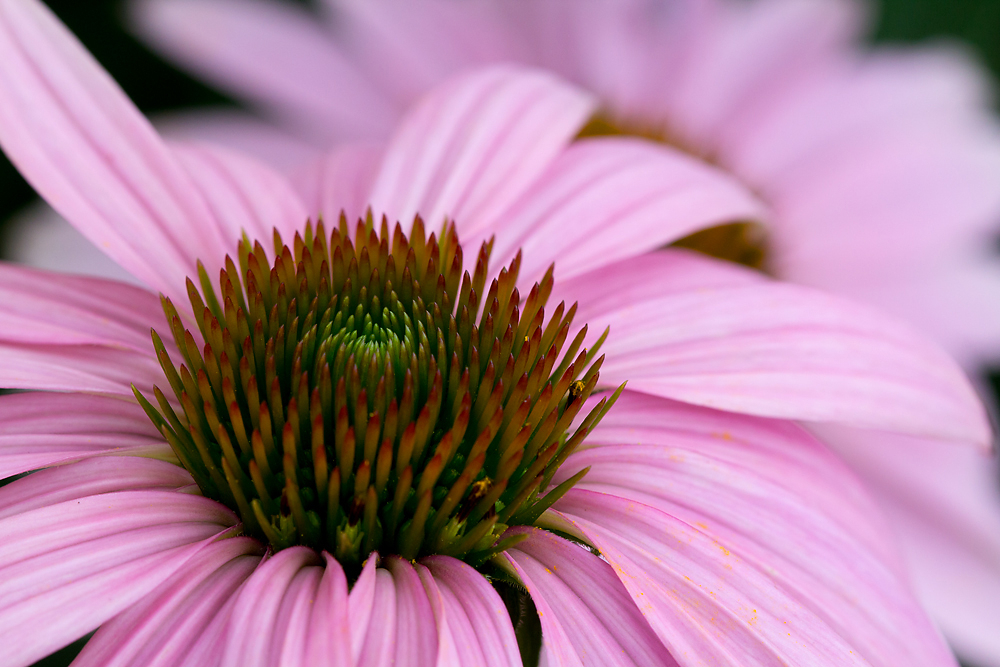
[{"x": 155, "y": 86}]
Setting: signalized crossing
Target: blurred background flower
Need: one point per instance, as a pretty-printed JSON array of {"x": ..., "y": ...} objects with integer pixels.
[{"x": 158, "y": 88}]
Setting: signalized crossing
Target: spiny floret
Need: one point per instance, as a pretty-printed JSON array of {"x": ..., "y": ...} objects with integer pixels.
[{"x": 358, "y": 395}]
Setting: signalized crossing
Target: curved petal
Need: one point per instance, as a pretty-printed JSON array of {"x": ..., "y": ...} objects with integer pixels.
[
  {"x": 779, "y": 350},
  {"x": 244, "y": 195},
  {"x": 472, "y": 613},
  {"x": 84, "y": 146},
  {"x": 379, "y": 641},
  {"x": 476, "y": 143},
  {"x": 291, "y": 626},
  {"x": 328, "y": 641},
  {"x": 252, "y": 630},
  {"x": 416, "y": 630},
  {"x": 609, "y": 198},
  {"x": 59, "y": 309},
  {"x": 587, "y": 615},
  {"x": 360, "y": 606},
  {"x": 159, "y": 631},
  {"x": 85, "y": 368},
  {"x": 64, "y": 567},
  {"x": 39, "y": 429},
  {"x": 943, "y": 505},
  {"x": 732, "y": 535},
  {"x": 339, "y": 181},
  {"x": 272, "y": 53}
]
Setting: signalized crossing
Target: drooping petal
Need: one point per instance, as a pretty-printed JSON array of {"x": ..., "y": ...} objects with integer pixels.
[
  {"x": 67, "y": 568},
  {"x": 416, "y": 629},
  {"x": 85, "y": 368},
  {"x": 291, "y": 626},
  {"x": 943, "y": 506},
  {"x": 59, "y": 309},
  {"x": 161, "y": 629},
  {"x": 251, "y": 632},
  {"x": 39, "y": 429},
  {"x": 733, "y": 536},
  {"x": 475, "y": 617},
  {"x": 83, "y": 145},
  {"x": 328, "y": 641},
  {"x": 587, "y": 615},
  {"x": 360, "y": 605},
  {"x": 244, "y": 195},
  {"x": 379, "y": 642},
  {"x": 476, "y": 143},
  {"x": 339, "y": 181},
  {"x": 272, "y": 53},
  {"x": 779, "y": 350},
  {"x": 605, "y": 199}
]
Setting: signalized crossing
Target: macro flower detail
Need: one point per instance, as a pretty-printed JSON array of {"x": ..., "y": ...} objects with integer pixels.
[
  {"x": 877, "y": 166},
  {"x": 696, "y": 523},
  {"x": 387, "y": 429}
]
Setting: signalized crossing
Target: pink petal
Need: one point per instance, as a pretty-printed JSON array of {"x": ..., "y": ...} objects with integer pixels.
[
  {"x": 944, "y": 508},
  {"x": 251, "y": 630},
  {"x": 471, "y": 612},
  {"x": 42, "y": 429},
  {"x": 727, "y": 532},
  {"x": 240, "y": 131},
  {"x": 328, "y": 642},
  {"x": 244, "y": 195},
  {"x": 291, "y": 626},
  {"x": 43, "y": 307},
  {"x": 41, "y": 238},
  {"x": 87, "y": 150},
  {"x": 360, "y": 605},
  {"x": 587, "y": 615},
  {"x": 89, "y": 478},
  {"x": 160, "y": 630},
  {"x": 272, "y": 53},
  {"x": 63, "y": 568},
  {"x": 606, "y": 199},
  {"x": 84, "y": 368},
  {"x": 779, "y": 350},
  {"x": 339, "y": 181},
  {"x": 416, "y": 631},
  {"x": 476, "y": 143},
  {"x": 379, "y": 644}
]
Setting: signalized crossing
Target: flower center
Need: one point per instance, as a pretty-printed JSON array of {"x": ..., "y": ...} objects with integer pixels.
[
  {"x": 362, "y": 395},
  {"x": 741, "y": 242}
]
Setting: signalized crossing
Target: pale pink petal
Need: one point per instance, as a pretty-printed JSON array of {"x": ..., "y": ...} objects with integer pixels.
[
  {"x": 244, "y": 195},
  {"x": 58, "y": 309},
  {"x": 291, "y": 626},
  {"x": 475, "y": 144},
  {"x": 251, "y": 631},
  {"x": 42, "y": 238},
  {"x": 86, "y": 368},
  {"x": 472, "y": 612},
  {"x": 779, "y": 350},
  {"x": 587, "y": 615},
  {"x": 272, "y": 53},
  {"x": 360, "y": 605},
  {"x": 416, "y": 629},
  {"x": 83, "y": 145},
  {"x": 339, "y": 181},
  {"x": 68, "y": 567},
  {"x": 748, "y": 54},
  {"x": 241, "y": 132},
  {"x": 606, "y": 199},
  {"x": 328, "y": 641},
  {"x": 39, "y": 429},
  {"x": 727, "y": 533},
  {"x": 89, "y": 478},
  {"x": 159, "y": 631},
  {"x": 408, "y": 47},
  {"x": 379, "y": 643},
  {"x": 945, "y": 509}
]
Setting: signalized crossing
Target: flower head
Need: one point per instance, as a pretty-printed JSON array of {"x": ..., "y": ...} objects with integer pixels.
[{"x": 693, "y": 524}]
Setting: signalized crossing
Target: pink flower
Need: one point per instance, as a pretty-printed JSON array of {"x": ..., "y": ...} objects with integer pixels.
[
  {"x": 878, "y": 170},
  {"x": 707, "y": 528}
]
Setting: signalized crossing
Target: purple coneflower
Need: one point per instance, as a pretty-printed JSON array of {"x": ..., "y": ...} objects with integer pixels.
[
  {"x": 369, "y": 445},
  {"x": 878, "y": 167}
]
